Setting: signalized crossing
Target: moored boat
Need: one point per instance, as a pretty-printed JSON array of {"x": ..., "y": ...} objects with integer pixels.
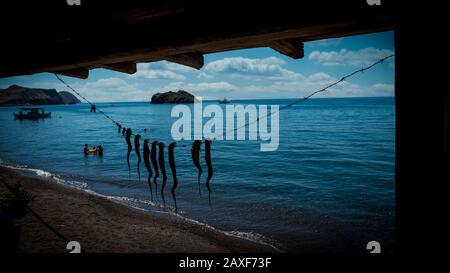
[
  {"x": 32, "y": 113},
  {"x": 225, "y": 100}
]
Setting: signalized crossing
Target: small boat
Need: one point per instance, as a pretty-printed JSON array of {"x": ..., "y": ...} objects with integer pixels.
[
  {"x": 225, "y": 100},
  {"x": 32, "y": 113}
]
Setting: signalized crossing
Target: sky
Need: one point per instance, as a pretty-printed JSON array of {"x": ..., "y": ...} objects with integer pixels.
[{"x": 258, "y": 73}]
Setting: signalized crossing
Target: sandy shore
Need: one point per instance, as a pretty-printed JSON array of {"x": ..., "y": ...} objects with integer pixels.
[{"x": 101, "y": 225}]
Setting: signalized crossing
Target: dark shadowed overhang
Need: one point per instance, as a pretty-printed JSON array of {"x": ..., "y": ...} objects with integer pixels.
[{"x": 52, "y": 36}]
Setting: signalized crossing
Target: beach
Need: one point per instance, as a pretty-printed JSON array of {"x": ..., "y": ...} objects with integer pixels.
[{"x": 101, "y": 225}]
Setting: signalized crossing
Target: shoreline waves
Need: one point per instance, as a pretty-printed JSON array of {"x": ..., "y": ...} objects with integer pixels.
[{"x": 105, "y": 224}]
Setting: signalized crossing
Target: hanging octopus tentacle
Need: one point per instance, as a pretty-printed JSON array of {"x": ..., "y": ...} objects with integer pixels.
[
  {"x": 209, "y": 165},
  {"x": 162, "y": 166},
  {"x": 119, "y": 128},
  {"x": 154, "y": 160},
  {"x": 123, "y": 131},
  {"x": 174, "y": 171},
  {"x": 130, "y": 147},
  {"x": 196, "y": 160},
  {"x": 146, "y": 153},
  {"x": 137, "y": 143}
]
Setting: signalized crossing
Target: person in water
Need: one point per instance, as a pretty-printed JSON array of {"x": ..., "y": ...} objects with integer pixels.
[
  {"x": 100, "y": 150},
  {"x": 86, "y": 149}
]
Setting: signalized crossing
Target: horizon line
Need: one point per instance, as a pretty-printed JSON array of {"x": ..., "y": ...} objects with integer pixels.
[{"x": 240, "y": 99}]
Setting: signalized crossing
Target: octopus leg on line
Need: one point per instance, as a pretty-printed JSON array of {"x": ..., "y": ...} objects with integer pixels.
[
  {"x": 162, "y": 166},
  {"x": 137, "y": 144},
  {"x": 146, "y": 154},
  {"x": 174, "y": 172},
  {"x": 130, "y": 147},
  {"x": 153, "y": 157},
  {"x": 196, "y": 160},
  {"x": 123, "y": 131},
  {"x": 119, "y": 128},
  {"x": 209, "y": 165}
]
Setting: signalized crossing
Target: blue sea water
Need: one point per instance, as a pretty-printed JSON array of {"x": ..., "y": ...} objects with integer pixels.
[{"x": 328, "y": 188}]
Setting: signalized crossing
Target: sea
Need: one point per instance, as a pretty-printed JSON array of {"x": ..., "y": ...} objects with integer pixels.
[{"x": 328, "y": 188}]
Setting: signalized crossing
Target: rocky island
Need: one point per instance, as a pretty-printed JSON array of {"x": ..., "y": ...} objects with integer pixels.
[
  {"x": 19, "y": 95},
  {"x": 180, "y": 96}
]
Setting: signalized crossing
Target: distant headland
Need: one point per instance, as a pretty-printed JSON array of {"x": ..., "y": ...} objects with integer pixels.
[
  {"x": 19, "y": 95},
  {"x": 180, "y": 96}
]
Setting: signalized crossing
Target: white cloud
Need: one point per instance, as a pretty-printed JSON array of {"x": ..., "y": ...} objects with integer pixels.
[
  {"x": 165, "y": 65},
  {"x": 383, "y": 89},
  {"x": 320, "y": 77},
  {"x": 159, "y": 74},
  {"x": 111, "y": 89},
  {"x": 266, "y": 66},
  {"x": 109, "y": 83},
  {"x": 255, "y": 69},
  {"x": 160, "y": 70},
  {"x": 283, "y": 89},
  {"x": 362, "y": 57},
  {"x": 178, "y": 67},
  {"x": 143, "y": 66},
  {"x": 203, "y": 75},
  {"x": 314, "y": 82},
  {"x": 325, "y": 42}
]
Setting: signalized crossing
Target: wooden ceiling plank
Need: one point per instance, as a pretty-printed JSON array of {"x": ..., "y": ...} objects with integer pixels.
[
  {"x": 194, "y": 59},
  {"x": 124, "y": 67},
  {"x": 293, "y": 48},
  {"x": 80, "y": 73}
]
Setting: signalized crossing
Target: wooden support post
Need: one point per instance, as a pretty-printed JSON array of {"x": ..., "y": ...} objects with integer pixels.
[
  {"x": 194, "y": 60},
  {"x": 124, "y": 67},
  {"x": 290, "y": 47}
]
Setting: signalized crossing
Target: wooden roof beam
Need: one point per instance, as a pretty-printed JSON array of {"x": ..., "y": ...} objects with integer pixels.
[
  {"x": 141, "y": 52},
  {"x": 81, "y": 73},
  {"x": 293, "y": 48},
  {"x": 194, "y": 59},
  {"x": 124, "y": 67}
]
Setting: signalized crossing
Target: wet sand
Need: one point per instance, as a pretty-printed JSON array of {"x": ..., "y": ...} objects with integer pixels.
[{"x": 101, "y": 225}]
